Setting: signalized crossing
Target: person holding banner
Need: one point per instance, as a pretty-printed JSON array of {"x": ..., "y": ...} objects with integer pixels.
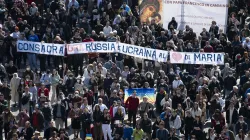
[{"x": 32, "y": 56}]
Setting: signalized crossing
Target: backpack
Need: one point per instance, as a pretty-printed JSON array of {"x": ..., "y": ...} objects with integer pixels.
[{"x": 25, "y": 99}]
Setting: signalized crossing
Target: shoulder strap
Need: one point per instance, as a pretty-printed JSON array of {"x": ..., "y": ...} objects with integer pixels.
[{"x": 146, "y": 107}]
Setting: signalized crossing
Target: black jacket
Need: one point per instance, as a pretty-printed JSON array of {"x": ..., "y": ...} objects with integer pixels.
[
  {"x": 62, "y": 111},
  {"x": 85, "y": 119},
  {"x": 189, "y": 124},
  {"x": 235, "y": 116},
  {"x": 40, "y": 119},
  {"x": 47, "y": 134},
  {"x": 28, "y": 134},
  {"x": 244, "y": 111},
  {"x": 229, "y": 82},
  {"x": 47, "y": 112},
  {"x": 242, "y": 126},
  {"x": 97, "y": 116},
  {"x": 146, "y": 125}
]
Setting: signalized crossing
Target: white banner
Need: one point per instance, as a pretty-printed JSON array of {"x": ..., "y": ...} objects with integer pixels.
[
  {"x": 127, "y": 49},
  {"x": 41, "y": 48},
  {"x": 197, "y": 58},
  {"x": 115, "y": 47},
  {"x": 88, "y": 47},
  {"x": 197, "y": 14}
]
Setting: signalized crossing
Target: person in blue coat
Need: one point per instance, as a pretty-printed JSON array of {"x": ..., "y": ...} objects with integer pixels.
[
  {"x": 32, "y": 56},
  {"x": 127, "y": 132}
]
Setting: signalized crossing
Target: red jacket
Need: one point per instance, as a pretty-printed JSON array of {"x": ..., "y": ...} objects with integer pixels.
[
  {"x": 221, "y": 120},
  {"x": 46, "y": 92},
  {"x": 132, "y": 103},
  {"x": 208, "y": 49},
  {"x": 111, "y": 111}
]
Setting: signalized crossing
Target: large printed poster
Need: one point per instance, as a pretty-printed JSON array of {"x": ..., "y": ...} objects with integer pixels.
[{"x": 197, "y": 14}]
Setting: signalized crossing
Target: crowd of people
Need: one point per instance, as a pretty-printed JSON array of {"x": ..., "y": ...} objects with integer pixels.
[{"x": 47, "y": 90}]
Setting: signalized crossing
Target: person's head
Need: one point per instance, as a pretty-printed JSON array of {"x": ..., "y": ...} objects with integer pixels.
[
  {"x": 126, "y": 68},
  {"x": 134, "y": 94},
  {"x": 177, "y": 77},
  {"x": 97, "y": 107},
  {"x": 161, "y": 124},
  {"x": 119, "y": 103},
  {"x": 124, "y": 4},
  {"x": 197, "y": 118},
  {"x": 42, "y": 86},
  {"x": 225, "y": 128},
  {"x": 248, "y": 95},
  {"x": 100, "y": 101},
  {"x": 1, "y": 97},
  {"x": 32, "y": 32},
  {"x": 37, "y": 134},
  {"x": 241, "y": 132},
  {"x": 27, "y": 124},
  {"x": 179, "y": 107},
  {"x": 174, "y": 113},
  {"x": 138, "y": 127},
  {"x": 119, "y": 110},
  {"x": 26, "y": 89},
  {"x": 213, "y": 23},
  {"x": 105, "y": 111},
  {"x": 28, "y": 68},
  {"x": 235, "y": 89},
  {"x": 51, "y": 124},
  {"x": 188, "y": 113},
  {"x": 14, "y": 136},
  {"x": 217, "y": 112},
  {"x": 241, "y": 119},
  {"x": 107, "y": 23},
  {"x": 181, "y": 86}
]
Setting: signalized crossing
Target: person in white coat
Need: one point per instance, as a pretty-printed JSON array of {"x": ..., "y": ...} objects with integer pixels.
[
  {"x": 175, "y": 122},
  {"x": 102, "y": 70},
  {"x": 177, "y": 82},
  {"x": 196, "y": 111},
  {"x": 54, "y": 78},
  {"x": 88, "y": 73},
  {"x": 14, "y": 84},
  {"x": 166, "y": 102}
]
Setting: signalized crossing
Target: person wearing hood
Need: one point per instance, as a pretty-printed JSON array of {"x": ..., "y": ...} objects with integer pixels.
[
  {"x": 28, "y": 72},
  {"x": 14, "y": 84},
  {"x": 173, "y": 23}
]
